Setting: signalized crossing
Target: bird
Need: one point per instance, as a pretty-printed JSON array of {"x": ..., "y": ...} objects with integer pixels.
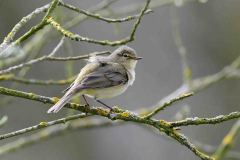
[{"x": 102, "y": 77}]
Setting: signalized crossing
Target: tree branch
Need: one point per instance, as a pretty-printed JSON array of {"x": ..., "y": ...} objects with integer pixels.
[
  {"x": 77, "y": 37},
  {"x": 200, "y": 121},
  {"x": 116, "y": 114},
  {"x": 12, "y": 77},
  {"x": 42, "y": 125},
  {"x": 49, "y": 58},
  {"x": 52, "y": 132},
  {"x": 99, "y": 17},
  {"x": 166, "y": 104},
  {"x": 227, "y": 142}
]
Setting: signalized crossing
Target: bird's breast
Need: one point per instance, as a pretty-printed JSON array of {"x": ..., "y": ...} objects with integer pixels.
[
  {"x": 104, "y": 93},
  {"x": 131, "y": 76}
]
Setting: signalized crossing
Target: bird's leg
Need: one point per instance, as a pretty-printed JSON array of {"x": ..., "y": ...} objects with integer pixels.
[
  {"x": 85, "y": 100},
  {"x": 103, "y": 104},
  {"x": 87, "y": 104}
]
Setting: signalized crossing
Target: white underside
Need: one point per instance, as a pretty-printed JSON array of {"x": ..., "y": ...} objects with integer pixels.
[{"x": 106, "y": 92}]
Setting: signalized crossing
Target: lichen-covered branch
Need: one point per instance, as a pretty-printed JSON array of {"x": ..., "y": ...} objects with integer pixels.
[
  {"x": 38, "y": 39},
  {"x": 97, "y": 16},
  {"x": 21, "y": 23},
  {"x": 13, "y": 78},
  {"x": 200, "y": 121},
  {"x": 201, "y": 83},
  {"x": 166, "y": 104},
  {"x": 227, "y": 142},
  {"x": 141, "y": 118},
  {"x": 210, "y": 149},
  {"x": 77, "y": 37},
  {"x": 49, "y": 57},
  {"x": 39, "y": 26},
  {"x": 33, "y": 61},
  {"x": 52, "y": 132},
  {"x": 42, "y": 125},
  {"x": 117, "y": 114}
]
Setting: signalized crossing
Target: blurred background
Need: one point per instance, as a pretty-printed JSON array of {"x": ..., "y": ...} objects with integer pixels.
[{"x": 209, "y": 31}]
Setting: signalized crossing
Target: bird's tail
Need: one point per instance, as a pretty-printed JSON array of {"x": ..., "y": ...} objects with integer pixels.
[{"x": 65, "y": 99}]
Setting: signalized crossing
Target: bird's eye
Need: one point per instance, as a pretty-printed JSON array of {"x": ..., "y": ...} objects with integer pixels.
[{"x": 125, "y": 55}]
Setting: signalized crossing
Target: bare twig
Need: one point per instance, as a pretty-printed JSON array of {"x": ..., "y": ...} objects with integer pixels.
[
  {"x": 77, "y": 37},
  {"x": 86, "y": 56},
  {"x": 33, "y": 61},
  {"x": 21, "y": 23},
  {"x": 52, "y": 132},
  {"x": 49, "y": 58},
  {"x": 117, "y": 114},
  {"x": 39, "y": 26},
  {"x": 58, "y": 46},
  {"x": 199, "y": 84},
  {"x": 199, "y": 121},
  {"x": 231, "y": 155},
  {"x": 227, "y": 142},
  {"x": 186, "y": 70},
  {"x": 12, "y": 77},
  {"x": 42, "y": 125},
  {"x": 97, "y": 16},
  {"x": 38, "y": 36},
  {"x": 162, "y": 107},
  {"x": 168, "y": 128}
]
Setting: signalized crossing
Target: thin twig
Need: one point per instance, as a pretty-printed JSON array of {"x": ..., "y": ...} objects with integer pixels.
[
  {"x": 231, "y": 155},
  {"x": 12, "y": 77},
  {"x": 52, "y": 132},
  {"x": 21, "y": 23},
  {"x": 86, "y": 56},
  {"x": 116, "y": 114},
  {"x": 39, "y": 26},
  {"x": 227, "y": 142},
  {"x": 186, "y": 70},
  {"x": 199, "y": 84},
  {"x": 200, "y": 121},
  {"x": 77, "y": 37},
  {"x": 97, "y": 16},
  {"x": 49, "y": 58},
  {"x": 58, "y": 46},
  {"x": 42, "y": 125},
  {"x": 33, "y": 61},
  {"x": 166, "y": 104}
]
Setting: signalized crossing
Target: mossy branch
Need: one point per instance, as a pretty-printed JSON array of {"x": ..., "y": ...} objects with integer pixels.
[
  {"x": 169, "y": 128},
  {"x": 99, "y": 17},
  {"x": 42, "y": 125},
  {"x": 50, "y": 57},
  {"x": 200, "y": 121},
  {"x": 227, "y": 142},
  {"x": 52, "y": 132},
  {"x": 166, "y": 104},
  {"x": 117, "y": 114},
  {"x": 39, "y": 26},
  {"x": 76, "y": 37}
]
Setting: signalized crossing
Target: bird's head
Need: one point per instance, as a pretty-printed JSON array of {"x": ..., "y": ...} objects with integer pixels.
[{"x": 126, "y": 56}]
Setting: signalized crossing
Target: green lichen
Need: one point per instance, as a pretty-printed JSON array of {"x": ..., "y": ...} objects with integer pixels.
[
  {"x": 125, "y": 114},
  {"x": 117, "y": 109},
  {"x": 43, "y": 124}
]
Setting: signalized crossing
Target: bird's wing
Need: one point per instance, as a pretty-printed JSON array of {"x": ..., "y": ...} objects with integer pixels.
[{"x": 103, "y": 76}]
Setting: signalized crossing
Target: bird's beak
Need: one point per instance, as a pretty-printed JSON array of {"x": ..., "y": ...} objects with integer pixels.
[{"x": 136, "y": 58}]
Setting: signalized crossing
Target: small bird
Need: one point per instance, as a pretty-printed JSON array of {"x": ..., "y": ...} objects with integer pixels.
[{"x": 103, "y": 77}]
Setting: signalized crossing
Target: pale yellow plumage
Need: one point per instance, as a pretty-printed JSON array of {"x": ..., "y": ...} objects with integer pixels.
[{"x": 103, "y": 77}]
